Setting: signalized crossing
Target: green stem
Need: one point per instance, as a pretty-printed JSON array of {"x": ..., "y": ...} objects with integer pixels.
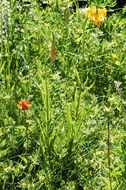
[
  {"x": 108, "y": 155},
  {"x": 83, "y": 52},
  {"x": 47, "y": 100},
  {"x": 26, "y": 131},
  {"x": 47, "y": 107},
  {"x": 78, "y": 103}
]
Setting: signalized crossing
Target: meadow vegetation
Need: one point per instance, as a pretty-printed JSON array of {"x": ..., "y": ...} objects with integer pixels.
[{"x": 62, "y": 96}]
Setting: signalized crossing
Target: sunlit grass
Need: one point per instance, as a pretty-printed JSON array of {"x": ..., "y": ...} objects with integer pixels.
[{"x": 72, "y": 135}]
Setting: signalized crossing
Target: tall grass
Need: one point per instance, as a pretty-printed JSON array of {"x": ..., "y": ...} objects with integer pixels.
[{"x": 73, "y": 135}]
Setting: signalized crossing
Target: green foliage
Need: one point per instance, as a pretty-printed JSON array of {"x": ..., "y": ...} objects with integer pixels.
[{"x": 73, "y": 135}]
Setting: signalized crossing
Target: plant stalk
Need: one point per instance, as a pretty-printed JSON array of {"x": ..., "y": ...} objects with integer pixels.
[
  {"x": 108, "y": 155},
  {"x": 26, "y": 131}
]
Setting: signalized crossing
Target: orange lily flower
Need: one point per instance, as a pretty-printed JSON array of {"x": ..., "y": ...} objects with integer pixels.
[
  {"x": 53, "y": 51},
  {"x": 24, "y": 105}
]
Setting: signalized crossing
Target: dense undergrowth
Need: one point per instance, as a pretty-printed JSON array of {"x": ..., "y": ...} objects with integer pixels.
[{"x": 73, "y": 135}]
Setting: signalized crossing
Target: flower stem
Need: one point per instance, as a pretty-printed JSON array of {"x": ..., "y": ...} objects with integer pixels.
[
  {"x": 26, "y": 131},
  {"x": 108, "y": 155}
]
